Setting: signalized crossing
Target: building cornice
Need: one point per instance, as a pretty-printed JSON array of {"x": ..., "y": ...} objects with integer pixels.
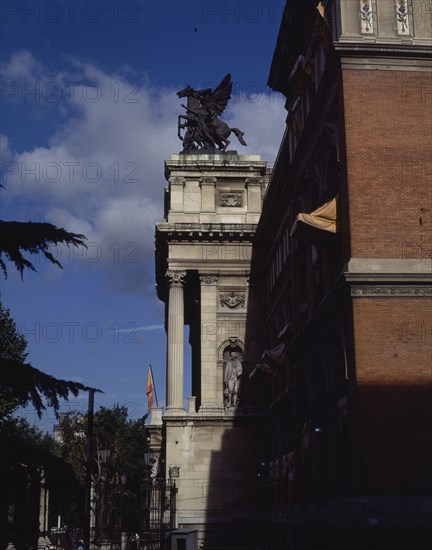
[
  {"x": 206, "y": 232},
  {"x": 397, "y": 291}
]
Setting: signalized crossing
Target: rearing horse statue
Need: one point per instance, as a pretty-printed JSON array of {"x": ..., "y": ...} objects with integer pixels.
[{"x": 204, "y": 131}]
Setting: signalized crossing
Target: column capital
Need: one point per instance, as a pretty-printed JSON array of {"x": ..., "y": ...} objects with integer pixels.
[
  {"x": 175, "y": 278},
  {"x": 208, "y": 278},
  {"x": 177, "y": 181},
  {"x": 254, "y": 181},
  {"x": 208, "y": 180}
]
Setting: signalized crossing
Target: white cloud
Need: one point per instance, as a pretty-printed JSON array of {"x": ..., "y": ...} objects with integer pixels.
[
  {"x": 22, "y": 66},
  {"x": 102, "y": 172}
]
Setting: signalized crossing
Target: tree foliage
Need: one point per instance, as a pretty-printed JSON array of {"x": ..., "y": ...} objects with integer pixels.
[
  {"x": 126, "y": 438},
  {"x": 18, "y": 238},
  {"x": 12, "y": 348}
]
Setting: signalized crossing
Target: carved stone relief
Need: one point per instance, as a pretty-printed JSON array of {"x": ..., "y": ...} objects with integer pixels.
[
  {"x": 402, "y": 17},
  {"x": 175, "y": 278},
  {"x": 230, "y": 199},
  {"x": 366, "y": 17},
  {"x": 177, "y": 181},
  {"x": 232, "y": 299},
  {"x": 208, "y": 180},
  {"x": 254, "y": 181},
  {"x": 208, "y": 279},
  {"x": 391, "y": 291}
]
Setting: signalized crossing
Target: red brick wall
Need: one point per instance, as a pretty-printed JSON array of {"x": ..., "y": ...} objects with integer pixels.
[
  {"x": 393, "y": 357},
  {"x": 389, "y": 162}
]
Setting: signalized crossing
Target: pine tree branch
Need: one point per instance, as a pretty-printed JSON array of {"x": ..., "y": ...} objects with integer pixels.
[
  {"x": 17, "y": 238},
  {"x": 29, "y": 384}
]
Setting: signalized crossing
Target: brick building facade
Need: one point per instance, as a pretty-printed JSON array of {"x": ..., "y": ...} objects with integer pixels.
[{"x": 342, "y": 280}]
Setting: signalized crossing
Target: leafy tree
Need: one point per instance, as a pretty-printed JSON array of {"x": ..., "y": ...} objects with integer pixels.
[
  {"x": 12, "y": 348},
  {"x": 126, "y": 438},
  {"x": 17, "y": 238}
]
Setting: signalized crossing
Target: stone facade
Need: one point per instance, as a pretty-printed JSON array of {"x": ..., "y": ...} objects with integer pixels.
[{"x": 203, "y": 261}]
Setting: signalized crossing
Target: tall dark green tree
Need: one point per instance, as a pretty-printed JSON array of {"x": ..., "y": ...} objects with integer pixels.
[
  {"x": 12, "y": 348},
  {"x": 20, "y": 238}
]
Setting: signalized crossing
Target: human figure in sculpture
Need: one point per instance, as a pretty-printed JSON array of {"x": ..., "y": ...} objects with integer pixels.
[
  {"x": 232, "y": 374},
  {"x": 204, "y": 130}
]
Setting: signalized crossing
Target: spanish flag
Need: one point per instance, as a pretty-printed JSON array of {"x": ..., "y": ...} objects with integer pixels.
[{"x": 150, "y": 388}]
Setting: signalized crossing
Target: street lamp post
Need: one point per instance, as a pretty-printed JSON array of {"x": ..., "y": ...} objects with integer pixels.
[{"x": 104, "y": 535}]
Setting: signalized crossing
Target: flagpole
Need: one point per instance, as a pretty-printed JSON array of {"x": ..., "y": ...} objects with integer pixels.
[{"x": 154, "y": 385}]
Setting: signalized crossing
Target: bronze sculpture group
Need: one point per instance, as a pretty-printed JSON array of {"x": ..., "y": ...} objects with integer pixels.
[{"x": 204, "y": 131}]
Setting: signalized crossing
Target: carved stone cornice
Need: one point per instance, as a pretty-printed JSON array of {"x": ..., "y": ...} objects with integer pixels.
[
  {"x": 175, "y": 278},
  {"x": 177, "y": 181},
  {"x": 391, "y": 291},
  {"x": 208, "y": 180},
  {"x": 232, "y": 299},
  {"x": 208, "y": 278},
  {"x": 231, "y": 199}
]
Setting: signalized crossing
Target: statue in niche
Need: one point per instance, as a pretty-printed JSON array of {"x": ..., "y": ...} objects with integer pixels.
[
  {"x": 204, "y": 131},
  {"x": 232, "y": 376}
]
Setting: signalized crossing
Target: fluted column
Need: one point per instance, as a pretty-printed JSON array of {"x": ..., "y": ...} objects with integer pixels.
[{"x": 175, "y": 352}]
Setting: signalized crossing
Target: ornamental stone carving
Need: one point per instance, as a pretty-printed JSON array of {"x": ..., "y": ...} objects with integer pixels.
[
  {"x": 208, "y": 279},
  {"x": 254, "y": 181},
  {"x": 232, "y": 299},
  {"x": 208, "y": 180},
  {"x": 366, "y": 17},
  {"x": 402, "y": 17},
  {"x": 230, "y": 199},
  {"x": 391, "y": 291},
  {"x": 175, "y": 278},
  {"x": 177, "y": 181}
]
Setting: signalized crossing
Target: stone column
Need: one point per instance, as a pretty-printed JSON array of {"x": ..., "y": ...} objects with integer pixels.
[
  {"x": 175, "y": 353},
  {"x": 211, "y": 392}
]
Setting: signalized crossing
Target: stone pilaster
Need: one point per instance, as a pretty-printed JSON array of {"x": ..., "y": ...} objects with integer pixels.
[
  {"x": 210, "y": 385},
  {"x": 208, "y": 185},
  {"x": 175, "y": 354},
  {"x": 177, "y": 194}
]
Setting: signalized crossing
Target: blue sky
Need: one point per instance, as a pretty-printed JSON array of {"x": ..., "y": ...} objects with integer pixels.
[{"x": 89, "y": 113}]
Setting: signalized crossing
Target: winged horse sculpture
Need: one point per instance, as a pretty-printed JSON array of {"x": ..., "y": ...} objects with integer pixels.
[{"x": 204, "y": 130}]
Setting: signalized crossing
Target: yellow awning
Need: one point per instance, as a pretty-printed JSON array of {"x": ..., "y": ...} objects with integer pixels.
[{"x": 311, "y": 226}]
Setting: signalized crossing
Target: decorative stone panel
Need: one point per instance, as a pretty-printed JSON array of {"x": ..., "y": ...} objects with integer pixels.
[
  {"x": 208, "y": 279},
  {"x": 402, "y": 18},
  {"x": 232, "y": 299},
  {"x": 366, "y": 17},
  {"x": 380, "y": 291},
  {"x": 231, "y": 199}
]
